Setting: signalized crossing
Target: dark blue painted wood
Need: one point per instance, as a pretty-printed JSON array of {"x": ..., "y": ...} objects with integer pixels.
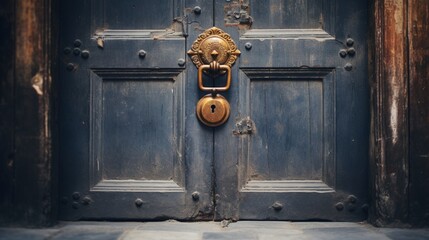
[
  {"x": 287, "y": 144},
  {"x": 308, "y": 150},
  {"x": 128, "y": 126},
  {"x": 291, "y": 14},
  {"x": 128, "y": 129}
]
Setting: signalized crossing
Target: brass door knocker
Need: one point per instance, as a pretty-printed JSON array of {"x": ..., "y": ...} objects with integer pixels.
[{"x": 213, "y": 53}]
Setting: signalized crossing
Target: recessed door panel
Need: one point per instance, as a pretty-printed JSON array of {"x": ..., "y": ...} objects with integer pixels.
[
  {"x": 134, "y": 14},
  {"x": 292, "y": 14},
  {"x": 288, "y": 145},
  {"x": 133, "y": 146},
  {"x": 136, "y": 132}
]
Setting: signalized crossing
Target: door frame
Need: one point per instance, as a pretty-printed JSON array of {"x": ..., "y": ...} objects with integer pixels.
[{"x": 389, "y": 136}]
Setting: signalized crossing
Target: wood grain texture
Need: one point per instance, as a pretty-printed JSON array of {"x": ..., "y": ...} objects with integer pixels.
[
  {"x": 30, "y": 65},
  {"x": 389, "y": 108},
  {"x": 133, "y": 146},
  {"x": 288, "y": 143},
  {"x": 140, "y": 14},
  {"x": 7, "y": 58},
  {"x": 310, "y": 115},
  {"x": 399, "y": 170},
  {"x": 418, "y": 34},
  {"x": 130, "y": 120},
  {"x": 278, "y": 14}
]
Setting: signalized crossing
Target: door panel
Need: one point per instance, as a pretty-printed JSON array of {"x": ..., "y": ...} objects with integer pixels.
[
  {"x": 294, "y": 148},
  {"x": 127, "y": 144},
  {"x": 134, "y": 14},
  {"x": 292, "y": 14},
  {"x": 304, "y": 148},
  {"x": 137, "y": 104},
  {"x": 289, "y": 129},
  {"x": 124, "y": 152},
  {"x": 293, "y": 115}
]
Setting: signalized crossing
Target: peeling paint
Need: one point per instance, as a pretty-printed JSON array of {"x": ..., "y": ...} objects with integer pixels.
[
  {"x": 237, "y": 13},
  {"x": 100, "y": 42},
  {"x": 37, "y": 83},
  {"x": 389, "y": 153},
  {"x": 244, "y": 126},
  {"x": 394, "y": 115}
]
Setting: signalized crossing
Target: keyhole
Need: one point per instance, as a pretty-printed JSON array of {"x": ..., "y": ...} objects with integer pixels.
[{"x": 213, "y": 107}]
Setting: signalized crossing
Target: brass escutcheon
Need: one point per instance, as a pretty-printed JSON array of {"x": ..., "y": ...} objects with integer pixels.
[
  {"x": 212, "y": 110},
  {"x": 214, "y": 45}
]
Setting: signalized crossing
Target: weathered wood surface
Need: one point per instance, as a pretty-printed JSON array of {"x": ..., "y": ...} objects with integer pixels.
[
  {"x": 129, "y": 121},
  {"x": 389, "y": 123},
  {"x": 418, "y": 34},
  {"x": 27, "y": 158},
  {"x": 398, "y": 74},
  {"x": 400, "y": 123},
  {"x": 289, "y": 84},
  {"x": 6, "y": 107}
]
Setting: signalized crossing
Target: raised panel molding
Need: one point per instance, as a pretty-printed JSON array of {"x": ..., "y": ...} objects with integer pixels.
[
  {"x": 318, "y": 34},
  {"x": 327, "y": 78},
  {"x": 287, "y": 73},
  {"x": 287, "y": 186},
  {"x": 304, "y": 14},
  {"x": 97, "y": 180},
  {"x": 136, "y": 34},
  {"x": 139, "y": 74},
  {"x": 141, "y": 15},
  {"x": 136, "y": 186}
]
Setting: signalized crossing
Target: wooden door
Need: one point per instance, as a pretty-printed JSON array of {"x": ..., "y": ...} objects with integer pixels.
[
  {"x": 295, "y": 146},
  {"x": 297, "y": 143},
  {"x": 130, "y": 144}
]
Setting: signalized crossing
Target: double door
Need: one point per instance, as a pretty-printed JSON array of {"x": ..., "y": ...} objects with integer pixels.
[{"x": 295, "y": 146}]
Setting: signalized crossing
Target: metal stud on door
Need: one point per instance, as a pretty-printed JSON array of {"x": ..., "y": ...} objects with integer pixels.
[{"x": 213, "y": 53}]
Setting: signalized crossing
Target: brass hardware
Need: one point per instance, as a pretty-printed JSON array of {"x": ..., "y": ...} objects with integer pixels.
[
  {"x": 213, "y": 53},
  {"x": 212, "y": 110},
  {"x": 218, "y": 67},
  {"x": 214, "y": 45}
]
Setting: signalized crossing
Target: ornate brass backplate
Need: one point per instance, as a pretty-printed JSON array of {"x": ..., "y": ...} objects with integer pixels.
[{"x": 214, "y": 45}]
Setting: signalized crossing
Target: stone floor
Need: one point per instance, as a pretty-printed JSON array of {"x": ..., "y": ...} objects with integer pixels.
[{"x": 212, "y": 230}]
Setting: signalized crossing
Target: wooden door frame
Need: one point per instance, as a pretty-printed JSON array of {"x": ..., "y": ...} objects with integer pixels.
[
  {"x": 388, "y": 75},
  {"x": 30, "y": 165}
]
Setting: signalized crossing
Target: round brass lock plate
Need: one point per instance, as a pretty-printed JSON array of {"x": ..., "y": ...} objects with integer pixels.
[{"x": 213, "y": 111}]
